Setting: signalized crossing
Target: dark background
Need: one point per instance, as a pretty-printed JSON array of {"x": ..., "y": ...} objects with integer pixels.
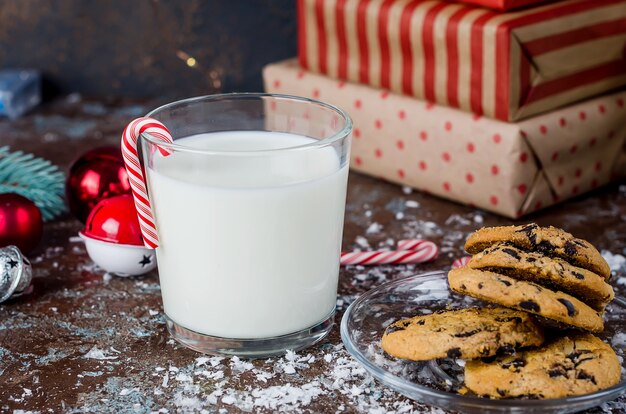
[{"x": 139, "y": 48}]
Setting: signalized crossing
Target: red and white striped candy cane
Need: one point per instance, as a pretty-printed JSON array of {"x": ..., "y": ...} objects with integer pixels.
[
  {"x": 461, "y": 262},
  {"x": 135, "y": 174},
  {"x": 424, "y": 252},
  {"x": 413, "y": 244}
]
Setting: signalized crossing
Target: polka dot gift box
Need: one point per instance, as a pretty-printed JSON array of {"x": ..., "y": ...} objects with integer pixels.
[{"x": 509, "y": 168}]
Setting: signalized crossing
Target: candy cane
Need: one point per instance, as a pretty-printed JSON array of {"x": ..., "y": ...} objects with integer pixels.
[
  {"x": 412, "y": 244},
  {"x": 461, "y": 262},
  {"x": 135, "y": 174},
  {"x": 423, "y": 251}
]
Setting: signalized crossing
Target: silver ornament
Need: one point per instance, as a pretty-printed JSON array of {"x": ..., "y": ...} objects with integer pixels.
[{"x": 15, "y": 273}]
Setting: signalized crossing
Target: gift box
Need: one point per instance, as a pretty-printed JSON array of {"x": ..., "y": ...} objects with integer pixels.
[
  {"x": 503, "y": 4},
  {"x": 507, "y": 66},
  {"x": 20, "y": 91},
  {"x": 508, "y": 168}
]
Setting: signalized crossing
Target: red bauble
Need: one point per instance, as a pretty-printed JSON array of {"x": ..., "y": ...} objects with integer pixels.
[
  {"x": 114, "y": 220},
  {"x": 96, "y": 175},
  {"x": 20, "y": 222},
  {"x": 113, "y": 239}
]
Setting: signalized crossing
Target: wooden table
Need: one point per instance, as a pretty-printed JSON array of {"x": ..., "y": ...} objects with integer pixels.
[{"x": 88, "y": 342}]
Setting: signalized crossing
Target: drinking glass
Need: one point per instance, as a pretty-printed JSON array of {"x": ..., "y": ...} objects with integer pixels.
[{"x": 248, "y": 206}]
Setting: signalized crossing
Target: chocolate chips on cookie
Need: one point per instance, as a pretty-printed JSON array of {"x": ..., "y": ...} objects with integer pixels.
[
  {"x": 464, "y": 333},
  {"x": 541, "y": 270},
  {"x": 526, "y": 270},
  {"x": 575, "y": 364},
  {"x": 555, "y": 273},
  {"x": 526, "y": 296},
  {"x": 549, "y": 241},
  {"x": 548, "y": 272}
]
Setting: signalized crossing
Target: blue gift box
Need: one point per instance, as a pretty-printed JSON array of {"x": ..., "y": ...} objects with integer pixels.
[{"x": 20, "y": 91}]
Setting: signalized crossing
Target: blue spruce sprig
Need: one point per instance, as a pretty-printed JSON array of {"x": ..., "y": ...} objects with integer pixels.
[{"x": 34, "y": 178}]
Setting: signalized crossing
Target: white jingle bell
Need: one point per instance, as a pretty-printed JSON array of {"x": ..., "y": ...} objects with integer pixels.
[{"x": 113, "y": 238}]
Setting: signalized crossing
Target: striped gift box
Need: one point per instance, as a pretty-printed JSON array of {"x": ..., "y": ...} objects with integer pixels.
[
  {"x": 509, "y": 168},
  {"x": 507, "y": 66},
  {"x": 503, "y": 4}
]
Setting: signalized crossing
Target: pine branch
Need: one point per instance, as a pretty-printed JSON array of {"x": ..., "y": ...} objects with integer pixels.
[{"x": 34, "y": 178}]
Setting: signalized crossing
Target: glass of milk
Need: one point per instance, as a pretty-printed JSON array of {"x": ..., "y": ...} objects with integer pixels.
[{"x": 249, "y": 209}]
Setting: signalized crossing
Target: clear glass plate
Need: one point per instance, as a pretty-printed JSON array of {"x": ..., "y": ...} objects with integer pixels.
[{"x": 436, "y": 382}]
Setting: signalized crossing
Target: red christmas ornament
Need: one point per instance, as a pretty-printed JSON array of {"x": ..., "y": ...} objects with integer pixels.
[
  {"x": 113, "y": 238},
  {"x": 20, "y": 222},
  {"x": 96, "y": 175},
  {"x": 114, "y": 220}
]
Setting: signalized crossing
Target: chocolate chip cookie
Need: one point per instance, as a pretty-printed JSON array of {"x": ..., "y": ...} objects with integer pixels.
[
  {"x": 572, "y": 365},
  {"x": 550, "y": 241},
  {"x": 555, "y": 273},
  {"x": 464, "y": 333},
  {"x": 530, "y": 297}
]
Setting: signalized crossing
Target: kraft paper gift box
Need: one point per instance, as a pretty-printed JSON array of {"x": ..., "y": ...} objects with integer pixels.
[
  {"x": 507, "y": 66},
  {"x": 508, "y": 168}
]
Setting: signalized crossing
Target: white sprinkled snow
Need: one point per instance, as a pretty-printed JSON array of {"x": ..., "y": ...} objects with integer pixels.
[
  {"x": 411, "y": 204},
  {"x": 362, "y": 242},
  {"x": 201, "y": 361},
  {"x": 341, "y": 375},
  {"x": 616, "y": 262},
  {"x": 374, "y": 228},
  {"x": 95, "y": 353},
  {"x": 238, "y": 365},
  {"x": 456, "y": 219},
  {"x": 127, "y": 391},
  {"x": 417, "y": 229},
  {"x": 183, "y": 377},
  {"x": 229, "y": 399},
  {"x": 619, "y": 340}
]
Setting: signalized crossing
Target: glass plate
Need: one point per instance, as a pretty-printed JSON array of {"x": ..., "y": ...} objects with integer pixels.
[{"x": 435, "y": 382}]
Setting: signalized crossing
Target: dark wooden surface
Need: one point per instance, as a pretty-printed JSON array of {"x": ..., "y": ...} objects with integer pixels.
[{"x": 87, "y": 342}]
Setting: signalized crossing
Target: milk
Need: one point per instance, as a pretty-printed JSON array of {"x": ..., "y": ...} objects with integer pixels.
[{"x": 248, "y": 244}]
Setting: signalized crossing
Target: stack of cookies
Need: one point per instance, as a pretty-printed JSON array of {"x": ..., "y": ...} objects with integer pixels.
[
  {"x": 535, "y": 275},
  {"x": 544, "y": 271}
]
